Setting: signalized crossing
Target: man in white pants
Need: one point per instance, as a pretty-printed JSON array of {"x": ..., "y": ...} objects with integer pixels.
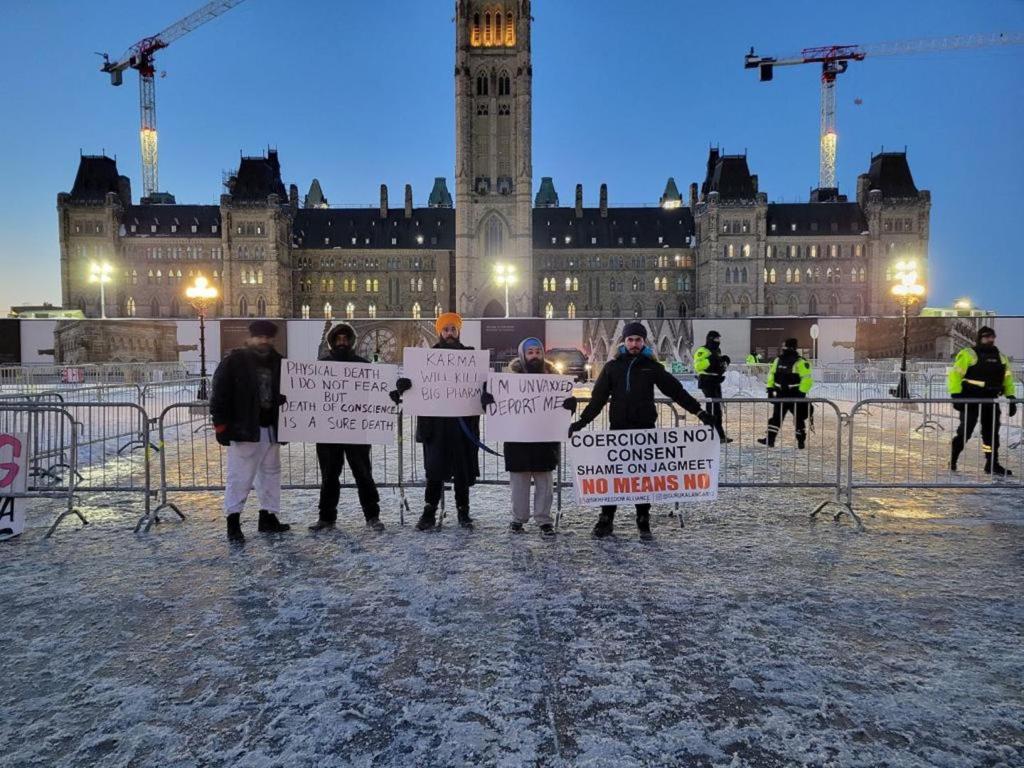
[{"x": 244, "y": 406}]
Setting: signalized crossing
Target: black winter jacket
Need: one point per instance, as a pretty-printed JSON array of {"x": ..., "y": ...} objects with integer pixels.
[
  {"x": 235, "y": 401},
  {"x": 447, "y": 451},
  {"x": 629, "y": 380},
  {"x": 531, "y": 457}
]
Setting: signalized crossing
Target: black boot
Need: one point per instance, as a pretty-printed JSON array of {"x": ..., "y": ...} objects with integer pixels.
[
  {"x": 235, "y": 529},
  {"x": 953, "y": 456},
  {"x": 993, "y": 467},
  {"x": 643, "y": 524},
  {"x": 428, "y": 520},
  {"x": 373, "y": 521},
  {"x": 604, "y": 524},
  {"x": 769, "y": 441},
  {"x": 327, "y": 520},
  {"x": 516, "y": 527},
  {"x": 270, "y": 524},
  {"x": 800, "y": 441},
  {"x": 464, "y": 519}
]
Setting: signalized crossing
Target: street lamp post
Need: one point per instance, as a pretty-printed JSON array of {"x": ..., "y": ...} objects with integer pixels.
[
  {"x": 907, "y": 291},
  {"x": 200, "y": 294},
  {"x": 505, "y": 274},
  {"x": 100, "y": 273}
]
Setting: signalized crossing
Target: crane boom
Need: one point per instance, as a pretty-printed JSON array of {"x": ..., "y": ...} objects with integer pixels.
[
  {"x": 140, "y": 57},
  {"x": 834, "y": 60}
]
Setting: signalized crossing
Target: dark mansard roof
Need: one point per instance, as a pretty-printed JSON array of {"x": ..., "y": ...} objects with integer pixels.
[
  {"x": 97, "y": 175},
  {"x": 673, "y": 225},
  {"x": 257, "y": 178},
  {"x": 812, "y": 219},
  {"x": 890, "y": 173},
  {"x": 164, "y": 217},
  {"x": 729, "y": 176},
  {"x": 335, "y": 228}
]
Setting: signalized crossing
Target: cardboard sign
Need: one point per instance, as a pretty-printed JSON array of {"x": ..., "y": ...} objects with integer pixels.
[
  {"x": 445, "y": 382},
  {"x": 527, "y": 407},
  {"x": 13, "y": 479},
  {"x": 645, "y": 466},
  {"x": 331, "y": 402}
]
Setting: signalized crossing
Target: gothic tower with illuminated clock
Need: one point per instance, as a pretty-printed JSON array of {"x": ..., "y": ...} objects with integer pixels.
[{"x": 493, "y": 163}]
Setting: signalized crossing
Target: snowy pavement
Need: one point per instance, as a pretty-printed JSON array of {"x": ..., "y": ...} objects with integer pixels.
[{"x": 750, "y": 637}]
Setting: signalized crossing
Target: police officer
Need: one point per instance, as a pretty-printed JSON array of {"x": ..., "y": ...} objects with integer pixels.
[
  {"x": 709, "y": 364},
  {"x": 981, "y": 372},
  {"x": 629, "y": 381},
  {"x": 789, "y": 377},
  {"x": 752, "y": 358}
]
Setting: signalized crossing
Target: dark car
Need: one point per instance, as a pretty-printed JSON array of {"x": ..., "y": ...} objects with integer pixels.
[{"x": 570, "y": 362}]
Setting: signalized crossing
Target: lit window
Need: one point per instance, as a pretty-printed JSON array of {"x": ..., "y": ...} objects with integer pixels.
[
  {"x": 372, "y": 310},
  {"x": 571, "y": 311},
  {"x": 549, "y": 311},
  {"x": 328, "y": 310},
  {"x": 350, "y": 310},
  {"x": 416, "y": 311}
]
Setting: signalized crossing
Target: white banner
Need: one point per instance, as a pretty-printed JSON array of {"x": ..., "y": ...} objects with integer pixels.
[
  {"x": 331, "y": 402},
  {"x": 445, "y": 382},
  {"x": 645, "y": 466},
  {"x": 13, "y": 479},
  {"x": 527, "y": 407}
]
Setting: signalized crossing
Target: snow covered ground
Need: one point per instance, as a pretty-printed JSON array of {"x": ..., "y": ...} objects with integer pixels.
[{"x": 751, "y": 637}]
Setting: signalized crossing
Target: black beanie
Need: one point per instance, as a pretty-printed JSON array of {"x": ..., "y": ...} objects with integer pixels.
[
  {"x": 790, "y": 343},
  {"x": 634, "y": 329},
  {"x": 341, "y": 329},
  {"x": 262, "y": 328},
  {"x": 985, "y": 331},
  {"x": 712, "y": 336}
]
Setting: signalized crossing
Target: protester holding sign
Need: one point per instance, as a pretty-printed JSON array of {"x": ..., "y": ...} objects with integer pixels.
[
  {"x": 245, "y": 405},
  {"x": 331, "y": 456},
  {"x": 629, "y": 381},
  {"x": 450, "y": 443},
  {"x": 532, "y": 461}
]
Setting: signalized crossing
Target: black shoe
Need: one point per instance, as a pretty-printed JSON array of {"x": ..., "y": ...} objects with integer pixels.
[
  {"x": 428, "y": 520},
  {"x": 465, "y": 520},
  {"x": 643, "y": 524},
  {"x": 375, "y": 524},
  {"x": 766, "y": 441},
  {"x": 270, "y": 524},
  {"x": 516, "y": 527},
  {"x": 547, "y": 530},
  {"x": 323, "y": 523},
  {"x": 998, "y": 470},
  {"x": 724, "y": 439},
  {"x": 800, "y": 444},
  {"x": 604, "y": 526},
  {"x": 952, "y": 465},
  {"x": 235, "y": 529}
]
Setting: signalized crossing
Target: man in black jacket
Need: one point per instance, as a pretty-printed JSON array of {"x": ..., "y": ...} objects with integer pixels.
[
  {"x": 629, "y": 380},
  {"x": 450, "y": 443},
  {"x": 331, "y": 456},
  {"x": 244, "y": 407}
]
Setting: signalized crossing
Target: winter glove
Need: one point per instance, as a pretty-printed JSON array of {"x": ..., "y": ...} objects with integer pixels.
[
  {"x": 726, "y": 360},
  {"x": 220, "y": 431},
  {"x": 959, "y": 407},
  {"x": 1013, "y": 408},
  {"x": 705, "y": 418},
  {"x": 396, "y": 398},
  {"x": 403, "y": 385},
  {"x": 486, "y": 398},
  {"x": 576, "y": 426},
  {"x": 282, "y": 399},
  {"x": 771, "y": 393},
  {"x": 570, "y": 404}
]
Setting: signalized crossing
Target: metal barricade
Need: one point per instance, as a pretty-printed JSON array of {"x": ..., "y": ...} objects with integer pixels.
[
  {"x": 52, "y": 453},
  {"x": 884, "y": 450}
]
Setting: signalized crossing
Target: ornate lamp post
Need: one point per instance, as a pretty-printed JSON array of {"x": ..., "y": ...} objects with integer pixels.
[
  {"x": 200, "y": 294},
  {"x": 100, "y": 273},
  {"x": 907, "y": 291},
  {"x": 505, "y": 274}
]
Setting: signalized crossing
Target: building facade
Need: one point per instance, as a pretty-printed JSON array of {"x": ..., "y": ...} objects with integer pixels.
[{"x": 723, "y": 252}]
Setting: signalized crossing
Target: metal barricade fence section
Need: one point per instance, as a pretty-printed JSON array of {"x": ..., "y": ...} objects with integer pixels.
[{"x": 908, "y": 444}]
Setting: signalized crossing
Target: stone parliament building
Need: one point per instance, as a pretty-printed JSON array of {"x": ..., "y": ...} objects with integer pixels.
[{"x": 721, "y": 251}]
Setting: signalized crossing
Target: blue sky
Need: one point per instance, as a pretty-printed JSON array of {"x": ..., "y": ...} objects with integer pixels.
[{"x": 360, "y": 93}]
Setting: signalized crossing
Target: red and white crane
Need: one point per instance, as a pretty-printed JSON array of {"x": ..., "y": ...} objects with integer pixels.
[
  {"x": 140, "y": 57},
  {"x": 835, "y": 59}
]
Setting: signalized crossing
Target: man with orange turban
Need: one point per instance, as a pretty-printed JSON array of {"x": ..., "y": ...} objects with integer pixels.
[{"x": 450, "y": 443}]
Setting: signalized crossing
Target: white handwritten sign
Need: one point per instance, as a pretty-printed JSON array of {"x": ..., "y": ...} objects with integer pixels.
[
  {"x": 332, "y": 402},
  {"x": 13, "y": 480},
  {"x": 445, "y": 382},
  {"x": 641, "y": 466},
  {"x": 527, "y": 407}
]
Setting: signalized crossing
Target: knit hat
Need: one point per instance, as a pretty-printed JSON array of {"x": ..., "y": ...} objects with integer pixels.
[
  {"x": 447, "y": 318},
  {"x": 341, "y": 329},
  {"x": 262, "y": 328},
  {"x": 790, "y": 343},
  {"x": 985, "y": 331},
  {"x": 524, "y": 345},
  {"x": 634, "y": 329},
  {"x": 712, "y": 336}
]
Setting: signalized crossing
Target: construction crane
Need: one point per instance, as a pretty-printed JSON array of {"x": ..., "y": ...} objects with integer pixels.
[
  {"x": 835, "y": 59},
  {"x": 140, "y": 57}
]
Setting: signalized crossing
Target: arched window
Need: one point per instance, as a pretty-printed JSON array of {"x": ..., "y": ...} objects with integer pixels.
[
  {"x": 435, "y": 284},
  {"x": 659, "y": 310},
  {"x": 730, "y": 250},
  {"x": 772, "y": 276},
  {"x": 575, "y": 283},
  {"x": 789, "y": 275},
  {"x": 549, "y": 310},
  {"x": 261, "y": 307},
  {"x": 499, "y": 28},
  {"x": 416, "y": 311},
  {"x": 305, "y": 311},
  {"x": 682, "y": 309},
  {"x": 493, "y": 238},
  {"x": 615, "y": 310},
  {"x": 175, "y": 307},
  {"x": 863, "y": 275},
  {"x": 488, "y": 37},
  {"x": 796, "y": 275},
  {"x": 638, "y": 310},
  {"x": 636, "y": 284},
  {"x": 833, "y": 305},
  {"x": 510, "y": 30},
  {"x": 744, "y": 306},
  {"x": 812, "y": 305},
  {"x": 746, "y": 250},
  {"x": 474, "y": 34},
  {"x": 794, "y": 305},
  {"x": 328, "y": 310},
  {"x": 372, "y": 310},
  {"x": 481, "y": 84},
  {"x": 728, "y": 275},
  {"x": 858, "y": 305},
  {"x": 571, "y": 311},
  {"x": 330, "y": 284},
  {"x": 437, "y": 310},
  {"x": 568, "y": 284},
  {"x": 350, "y": 310},
  {"x": 743, "y": 275},
  {"x": 419, "y": 285},
  {"x": 544, "y": 282},
  {"x": 769, "y": 305}
]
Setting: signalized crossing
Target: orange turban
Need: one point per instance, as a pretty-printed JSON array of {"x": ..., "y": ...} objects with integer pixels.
[{"x": 448, "y": 318}]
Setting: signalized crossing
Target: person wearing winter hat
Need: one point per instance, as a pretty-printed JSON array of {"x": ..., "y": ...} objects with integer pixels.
[
  {"x": 244, "y": 406},
  {"x": 450, "y": 443},
  {"x": 709, "y": 364},
  {"x": 981, "y": 372},
  {"x": 628, "y": 380},
  {"x": 789, "y": 377},
  {"x": 531, "y": 461},
  {"x": 331, "y": 456}
]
